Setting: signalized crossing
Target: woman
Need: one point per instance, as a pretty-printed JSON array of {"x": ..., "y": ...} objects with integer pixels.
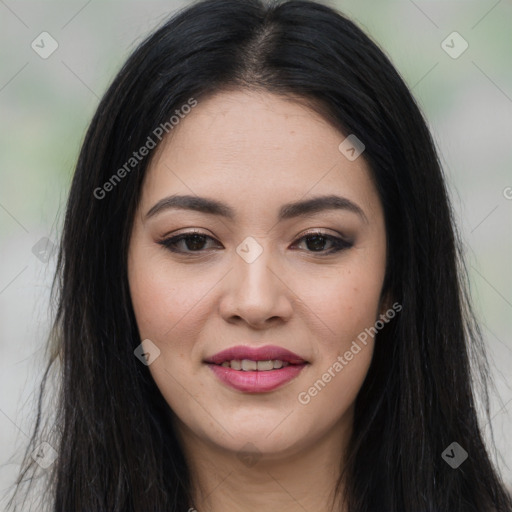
[{"x": 214, "y": 353}]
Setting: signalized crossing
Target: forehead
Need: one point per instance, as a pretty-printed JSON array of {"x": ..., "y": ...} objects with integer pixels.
[
  {"x": 255, "y": 147},
  {"x": 248, "y": 122}
]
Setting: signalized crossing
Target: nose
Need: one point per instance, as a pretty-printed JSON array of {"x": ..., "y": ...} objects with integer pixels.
[{"x": 256, "y": 293}]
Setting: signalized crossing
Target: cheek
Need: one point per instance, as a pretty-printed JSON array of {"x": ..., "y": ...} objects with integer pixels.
[
  {"x": 164, "y": 304},
  {"x": 330, "y": 395},
  {"x": 163, "y": 298},
  {"x": 348, "y": 306},
  {"x": 347, "y": 302},
  {"x": 171, "y": 308}
]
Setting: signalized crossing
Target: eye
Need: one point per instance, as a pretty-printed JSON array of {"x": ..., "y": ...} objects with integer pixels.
[
  {"x": 317, "y": 240},
  {"x": 194, "y": 242}
]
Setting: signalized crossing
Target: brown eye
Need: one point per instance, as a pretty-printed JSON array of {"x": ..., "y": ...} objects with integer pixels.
[
  {"x": 316, "y": 242},
  {"x": 193, "y": 242}
]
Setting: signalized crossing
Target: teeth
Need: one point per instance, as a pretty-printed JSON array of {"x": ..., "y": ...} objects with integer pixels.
[
  {"x": 265, "y": 365},
  {"x": 249, "y": 365},
  {"x": 236, "y": 365}
]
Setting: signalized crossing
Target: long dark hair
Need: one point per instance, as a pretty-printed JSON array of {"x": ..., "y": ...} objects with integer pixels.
[{"x": 116, "y": 450}]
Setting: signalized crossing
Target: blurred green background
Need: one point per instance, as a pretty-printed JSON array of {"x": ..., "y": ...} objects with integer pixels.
[{"x": 46, "y": 105}]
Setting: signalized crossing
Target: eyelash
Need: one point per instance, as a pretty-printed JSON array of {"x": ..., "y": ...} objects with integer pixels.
[{"x": 339, "y": 244}]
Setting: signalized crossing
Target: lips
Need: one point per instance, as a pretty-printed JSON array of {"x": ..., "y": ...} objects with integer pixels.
[
  {"x": 270, "y": 352},
  {"x": 256, "y": 370}
]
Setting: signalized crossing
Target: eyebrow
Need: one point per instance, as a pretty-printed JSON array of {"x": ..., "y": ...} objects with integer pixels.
[{"x": 287, "y": 211}]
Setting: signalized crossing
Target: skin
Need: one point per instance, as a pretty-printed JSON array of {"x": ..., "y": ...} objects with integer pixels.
[{"x": 255, "y": 152}]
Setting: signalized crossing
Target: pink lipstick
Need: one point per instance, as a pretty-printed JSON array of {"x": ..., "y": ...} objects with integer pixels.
[{"x": 256, "y": 370}]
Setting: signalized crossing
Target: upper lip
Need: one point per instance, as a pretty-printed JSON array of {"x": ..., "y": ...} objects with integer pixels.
[{"x": 269, "y": 352}]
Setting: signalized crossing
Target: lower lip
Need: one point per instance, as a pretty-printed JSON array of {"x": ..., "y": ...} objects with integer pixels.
[{"x": 255, "y": 381}]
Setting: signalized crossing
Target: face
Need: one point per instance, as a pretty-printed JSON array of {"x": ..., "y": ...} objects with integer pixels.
[{"x": 256, "y": 273}]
